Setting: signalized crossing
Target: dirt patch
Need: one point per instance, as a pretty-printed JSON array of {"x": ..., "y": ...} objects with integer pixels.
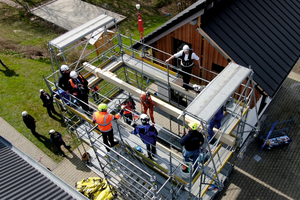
[{"x": 31, "y": 52}]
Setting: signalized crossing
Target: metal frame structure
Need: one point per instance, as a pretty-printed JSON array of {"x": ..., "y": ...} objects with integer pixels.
[{"x": 133, "y": 175}]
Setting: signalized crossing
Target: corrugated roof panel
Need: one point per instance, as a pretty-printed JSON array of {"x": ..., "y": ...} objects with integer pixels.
[{"x": 19, "y": 180}]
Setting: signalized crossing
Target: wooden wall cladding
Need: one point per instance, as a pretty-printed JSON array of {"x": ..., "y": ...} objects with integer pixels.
[{"x": 206, "y": 52}]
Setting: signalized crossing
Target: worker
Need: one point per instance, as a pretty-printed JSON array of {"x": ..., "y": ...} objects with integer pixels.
[
  {"x": 148, "y": 135},
  {"x": 103, "y": 119},
  {"x": 30, "y": 123},
  {"x": 191, "y": 143},
  {"x": 48, "y": 102},
  {"x": 147, "y": 103},
  {"x": 56, "y": 139},
  {"x": 187, "y": 57},
  {"x": 64, "y": 78},
  {"x": 95, "y": 94},
  {"x": 78, "y": 87},
  {"x": 215, "y": 121},
  {"x": 129, "y": 107}
]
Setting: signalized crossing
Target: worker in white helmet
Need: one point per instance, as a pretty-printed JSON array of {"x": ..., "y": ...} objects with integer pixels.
[
  {"x": 56, "y": 139},
  {"x": 187, "y": 57},
  {"x": 30, "y": 123},
  {"x": 48, "y": 102},
  {"x": 78, "y": 87},
  {"x": 64, "y": 78}
]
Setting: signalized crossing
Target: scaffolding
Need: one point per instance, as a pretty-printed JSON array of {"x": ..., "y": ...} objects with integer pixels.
[{"x": 121, "y": 72}]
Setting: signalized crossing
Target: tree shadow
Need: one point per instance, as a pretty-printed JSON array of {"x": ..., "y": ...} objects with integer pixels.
[{"x": 9, "y": 72}]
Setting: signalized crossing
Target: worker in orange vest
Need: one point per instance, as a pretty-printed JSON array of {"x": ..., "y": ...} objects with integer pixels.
[
  {"x": 103, "y": 119},
  {"x": 147, "y": 103},
  {"x": 129, "y": 105},
  {"x": 95, "y": 94},
  {"x": 78, "y": 87}
]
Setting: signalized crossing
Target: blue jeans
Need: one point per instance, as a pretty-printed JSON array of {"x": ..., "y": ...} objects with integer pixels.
[
  {"x": 187, "y": 154},
  {"x": 212, "y": 124}
]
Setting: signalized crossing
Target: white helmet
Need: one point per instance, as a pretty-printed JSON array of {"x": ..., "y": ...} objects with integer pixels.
[
  {"x": 51, "y": 131},
  {"x": 64, "y": 68},
  {"x": 73, "y": 74},
  {"x": 144, "y": 118},
  {"x": 186, "y": 48},
  {"x": 42, "y": 90},
  {"x": 24, "y": 113}
]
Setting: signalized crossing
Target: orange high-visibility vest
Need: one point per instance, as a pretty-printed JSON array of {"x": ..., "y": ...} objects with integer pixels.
[
  {"x": 103, "y": 119},
  {"x": 73, "y": 84},
  {"x": 128, "y": 108}
]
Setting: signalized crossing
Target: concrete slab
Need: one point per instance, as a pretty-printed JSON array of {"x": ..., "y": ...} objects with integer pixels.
[{"x": 69, "y": 14}]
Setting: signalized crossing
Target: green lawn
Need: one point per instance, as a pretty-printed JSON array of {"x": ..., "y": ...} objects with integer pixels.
[{"x": 23, "y": 48}]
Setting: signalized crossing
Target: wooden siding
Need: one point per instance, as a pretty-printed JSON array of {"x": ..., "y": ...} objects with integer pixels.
[{"x": 206, "y": 52}]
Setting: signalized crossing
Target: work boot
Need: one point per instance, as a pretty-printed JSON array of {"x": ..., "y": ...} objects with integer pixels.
[
  {"x": 115, "y": 143},
  {"x": 63, "y": 155},
  {"x": 68, "y": 147}
]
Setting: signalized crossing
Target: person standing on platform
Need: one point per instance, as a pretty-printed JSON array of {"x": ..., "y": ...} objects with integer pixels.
[
  {"x": 103, "y": 119},
  {"x": 64, "y": 78},
  {"x": 147, "y": 103},
  {"x": 148, "y": 135},
  {"x": 215, "y": 121},
  {"x": 191, "y": 143},
  {"x": 30, "y": 123},
  {"x": 78, "y": 88},
  {"x": 187, "y": 57}
]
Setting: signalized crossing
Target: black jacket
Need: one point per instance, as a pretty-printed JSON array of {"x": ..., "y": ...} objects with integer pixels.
[
  {"x": 63, "y": 81},
  {"x": 29, "y": 121},
  {"x": 191, "y": 141},
  {"x": 47, "y": 100},
  {"x": 80, "y": 90}
]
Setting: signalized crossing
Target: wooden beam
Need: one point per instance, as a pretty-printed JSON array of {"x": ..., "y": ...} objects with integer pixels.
[{"x": 112, "y": 78}]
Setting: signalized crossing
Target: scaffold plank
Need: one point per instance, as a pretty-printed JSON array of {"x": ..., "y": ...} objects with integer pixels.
[
  {"x": 108, "y": 76},
  {"x": 216, "y": 93},
  {"x": 80, "y": 32}
]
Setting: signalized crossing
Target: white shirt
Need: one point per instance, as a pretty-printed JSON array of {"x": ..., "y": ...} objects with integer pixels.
[{"x": 186, "y": 56}]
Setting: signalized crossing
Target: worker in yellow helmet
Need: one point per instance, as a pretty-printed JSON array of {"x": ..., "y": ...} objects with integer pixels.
[
  {"x": 191, "y": 143},
  {"x": 103, "y": 119}
]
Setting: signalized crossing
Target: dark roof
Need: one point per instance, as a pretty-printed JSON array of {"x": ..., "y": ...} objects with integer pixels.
[
  {"x": 20, "y": 180},
  {"x": 260, "y": 34}
]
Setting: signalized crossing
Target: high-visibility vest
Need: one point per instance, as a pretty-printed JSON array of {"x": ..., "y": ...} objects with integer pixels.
[
  {"x": 73, "y": 84},
  {"x": 103, "y": 119},
  {"x": 128, "y": 108},
  {"x": 96, "y": 88}
]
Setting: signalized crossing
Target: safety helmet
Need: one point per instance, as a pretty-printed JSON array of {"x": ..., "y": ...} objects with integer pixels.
[
  {"x": 24, "y": 113},
  {"x": 144, "y": 118},
  {"x": 185, "y": 48},
  {"x": 51, "y": 131},
  {"x": 64, "y": 68},
  {"x": 54, "y": 88},
  {"x": 42, "y": 90},
  {"x": 73, "y": 74},
  {"x": 193, "y": 125},
  {"x": 102, "y": 107}
]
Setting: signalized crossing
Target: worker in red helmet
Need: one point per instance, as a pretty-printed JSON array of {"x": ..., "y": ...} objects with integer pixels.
[{"x": 147, "y": 103}]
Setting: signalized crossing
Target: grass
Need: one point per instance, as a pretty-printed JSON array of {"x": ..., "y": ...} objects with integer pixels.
[{"x": 23, "y": 48}]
